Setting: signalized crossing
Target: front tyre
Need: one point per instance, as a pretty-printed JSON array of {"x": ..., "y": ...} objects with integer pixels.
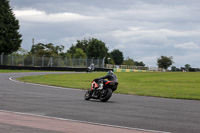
[
  {"x": 105, "y": 97},
  {"x": 87, "y": 95}
]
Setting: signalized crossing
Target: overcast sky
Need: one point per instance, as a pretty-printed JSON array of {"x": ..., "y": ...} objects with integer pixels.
[{"x": 142, "y": 29}]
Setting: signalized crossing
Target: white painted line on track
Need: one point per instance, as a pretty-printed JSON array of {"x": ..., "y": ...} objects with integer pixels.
[
  {"x": 54, "y": 87},
  {"x": 56, "y": 118},
  {"x": 86, "y": 122}
]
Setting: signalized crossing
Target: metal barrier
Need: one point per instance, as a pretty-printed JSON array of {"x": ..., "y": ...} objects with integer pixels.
[{"x": 44, "y": 61}]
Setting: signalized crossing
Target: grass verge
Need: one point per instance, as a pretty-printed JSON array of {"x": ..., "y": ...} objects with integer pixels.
[
  {"x": 159, "y": 84},
  {"x": 17, "y": 71}
]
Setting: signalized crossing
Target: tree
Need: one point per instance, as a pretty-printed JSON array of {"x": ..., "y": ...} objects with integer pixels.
[
  {"x": 41, "y": 49},
  {"x": 187, "y": 67},
  {"x": 117, "y": 56},
  {"x": 165, "y": 62},
  {"x": 79, "y": 53},
  {"x": 22, "y": 51},
  {"x": 10, "y": 38},
  {"x": 128, "y": 61},
  {"x": 92, "y": 48},
  {"x": 139, "y": 63},
  {"x": 173, "y": 68},
  {"x": 82, "y": 44},
  {"x": 96, "y": 48},
  {"x": 131, "y": 62},
  {"x": 71, "y": 51}
]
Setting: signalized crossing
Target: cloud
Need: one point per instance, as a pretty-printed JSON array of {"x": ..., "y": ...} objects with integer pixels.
[
  {"x": 119, "y": 47},
  {"x": 188, "y": 45},
  {"x": 191, "y": 58},
  {"x": 33, "y": 15},
  {"x": 148, "y": 60}
]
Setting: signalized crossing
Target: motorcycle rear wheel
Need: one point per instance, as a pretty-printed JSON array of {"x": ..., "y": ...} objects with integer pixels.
[
  {"x": 87, "y": 95},
  {"x": 107, "y": 96}
]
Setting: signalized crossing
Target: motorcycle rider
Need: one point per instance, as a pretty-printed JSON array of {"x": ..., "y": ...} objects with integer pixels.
[
  {"x": 91, "y": 68},
  {"x": 110, "y": 76}
]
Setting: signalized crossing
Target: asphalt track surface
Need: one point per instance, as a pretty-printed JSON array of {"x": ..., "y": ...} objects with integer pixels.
[{"x": 148, "y": 114}]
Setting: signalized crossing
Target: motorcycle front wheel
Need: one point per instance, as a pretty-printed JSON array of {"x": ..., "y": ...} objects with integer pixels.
[
  {"x": 87, "y": 95},
  {"x": 105, "y": 97}
]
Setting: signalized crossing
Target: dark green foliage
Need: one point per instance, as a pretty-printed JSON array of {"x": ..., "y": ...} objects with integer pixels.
[
  {"x": 41, "y": 49},
  {"x": 71, "y": 51},
  {"x": 92, "y": 48},
  {"x": 82, "y": 44},
  {"x": 117, "y": 56},
  {"x": 187, "y": 67},
  {"x": 96, "y": 49},
  {"x": 79, "y": 45},
  {"x": 79, "y": 53},
  {"x": 165, "y": 62},
  {"x": 139, "y": 63},
  {"x": 10, "y": 38},
  {"x": 129, "y": 61}
]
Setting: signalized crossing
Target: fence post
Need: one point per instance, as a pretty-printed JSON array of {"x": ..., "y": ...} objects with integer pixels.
[
  {"x": 66, "y": 61},
  {"x": 43, "y": 60},
  {"x": 23, "y": 60},
  {"x": 33, "y": 58},
  {"x": 12, "y": 59},
  {"x": 86, "y": 61},
  {"x": 92, "y": 60},
  {"x": 73, "y": 61},
  {"x": 2, "y": 58},
  {"x": 103, "y": 62},
  {"x": 98, "y": 62},
  {"x": 79, "y": 61},
  {"x": 59, "y": 63},
  {"x": 51, "y": 58}
]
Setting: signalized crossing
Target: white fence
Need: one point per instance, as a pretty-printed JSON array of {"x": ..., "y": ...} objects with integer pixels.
[{"x": 133, "y": 67}]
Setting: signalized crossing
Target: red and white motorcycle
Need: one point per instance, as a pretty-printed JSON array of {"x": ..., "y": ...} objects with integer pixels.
[{"x": 102, "y": 91}]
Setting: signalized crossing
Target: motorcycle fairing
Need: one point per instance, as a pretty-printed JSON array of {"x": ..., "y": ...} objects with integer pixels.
[{"x": 94, "y": 85}]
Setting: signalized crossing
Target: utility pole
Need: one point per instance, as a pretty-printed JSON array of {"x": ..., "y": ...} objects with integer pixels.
[{"x": 33, "y": 41}]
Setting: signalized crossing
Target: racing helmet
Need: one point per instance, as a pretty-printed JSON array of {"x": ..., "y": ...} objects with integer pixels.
[{"x": 110, "y": 72}]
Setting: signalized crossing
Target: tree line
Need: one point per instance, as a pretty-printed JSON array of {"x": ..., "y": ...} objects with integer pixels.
[
  {"x": 86, "y": 48},
  {"x": 11, "y": 39}
]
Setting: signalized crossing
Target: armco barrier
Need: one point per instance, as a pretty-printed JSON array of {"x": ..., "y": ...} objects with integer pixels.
[
  {"x": 129, "y": 70},
  {"x": 51, "y": 68}
]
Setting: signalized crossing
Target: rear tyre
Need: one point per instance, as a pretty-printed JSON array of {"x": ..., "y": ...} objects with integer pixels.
[
  {"x": 87, "y": 95},
  {"x": 106, "y": 97}
]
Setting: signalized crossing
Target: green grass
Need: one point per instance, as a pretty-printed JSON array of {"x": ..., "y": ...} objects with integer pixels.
[
  {"x": 159, "y": 84},
  {"x": 16, "y": 71}
]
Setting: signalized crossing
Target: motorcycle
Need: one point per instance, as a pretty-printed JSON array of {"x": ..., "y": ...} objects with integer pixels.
[
  {"x": 90, "y": 68},
  {"x": 101, "y": 91}
]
